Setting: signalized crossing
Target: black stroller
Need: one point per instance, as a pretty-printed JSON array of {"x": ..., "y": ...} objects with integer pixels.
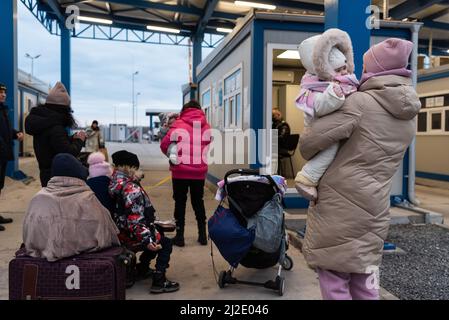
[{"x": 245, "y": 199}]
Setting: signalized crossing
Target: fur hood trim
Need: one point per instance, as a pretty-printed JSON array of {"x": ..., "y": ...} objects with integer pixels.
[{"x": 329, "y": 39}]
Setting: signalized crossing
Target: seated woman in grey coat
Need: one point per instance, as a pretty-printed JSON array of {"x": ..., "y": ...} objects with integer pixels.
[{"x": 65, "y": 218}]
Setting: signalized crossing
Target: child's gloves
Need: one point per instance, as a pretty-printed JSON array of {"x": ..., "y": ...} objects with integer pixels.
[
  {"x": 155, "y": 235},
  {"x": 338, "y": 91}
]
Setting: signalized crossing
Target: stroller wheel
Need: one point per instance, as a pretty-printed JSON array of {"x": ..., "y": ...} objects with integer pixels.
[
  {"x": 222, "y": 279},
  {"x": 280, "y": 281},
  {"x": 287, "y": 264}
]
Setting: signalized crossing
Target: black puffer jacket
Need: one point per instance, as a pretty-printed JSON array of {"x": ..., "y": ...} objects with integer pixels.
[
  {"x": 47, "y": 124},
  {"x": 7, "y": 135}
]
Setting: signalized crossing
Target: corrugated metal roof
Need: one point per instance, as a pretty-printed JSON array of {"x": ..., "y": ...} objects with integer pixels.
[
  {"x": 27, "y": 80},
  {"x": 187, "y": 14}
]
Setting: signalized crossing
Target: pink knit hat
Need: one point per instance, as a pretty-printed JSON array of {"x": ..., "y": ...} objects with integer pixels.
[
  {"x": 98, "y": 166},
  {"x": 390, "y": 54}
]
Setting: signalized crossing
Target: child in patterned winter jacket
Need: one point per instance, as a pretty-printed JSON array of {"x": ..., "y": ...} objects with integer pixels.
[{"x": 135, "y": 216}]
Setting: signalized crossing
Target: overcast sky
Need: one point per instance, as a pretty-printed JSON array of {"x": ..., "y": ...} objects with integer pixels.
[{"x": 101, "y": 72}]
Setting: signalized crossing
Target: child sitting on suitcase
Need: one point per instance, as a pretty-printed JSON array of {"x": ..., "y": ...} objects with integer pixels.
[{"x": 135, "y": 216}]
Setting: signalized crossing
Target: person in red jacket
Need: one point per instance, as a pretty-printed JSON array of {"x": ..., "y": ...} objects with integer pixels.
[{"x": 191, "y": 133}]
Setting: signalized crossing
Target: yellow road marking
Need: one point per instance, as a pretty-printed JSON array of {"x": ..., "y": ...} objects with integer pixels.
[{"x": 166, "y": 179}]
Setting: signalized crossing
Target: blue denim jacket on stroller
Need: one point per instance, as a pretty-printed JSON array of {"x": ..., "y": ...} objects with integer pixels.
[{"x": 256, "y": 205}]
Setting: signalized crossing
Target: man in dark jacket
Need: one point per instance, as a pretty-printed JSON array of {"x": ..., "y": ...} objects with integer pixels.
[
  {"x": 7, "y": 135},
  {"x": 49, "y": 125},
  {"x": 283, "y": 129},
  {"x": 281, "y": 125}
]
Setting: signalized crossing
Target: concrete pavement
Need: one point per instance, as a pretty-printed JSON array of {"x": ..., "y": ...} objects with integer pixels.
[
  {"x": 190, "y": 265},
  {"x": 434, "y": 198}
]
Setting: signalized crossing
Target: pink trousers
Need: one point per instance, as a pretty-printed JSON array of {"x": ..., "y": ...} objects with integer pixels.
[{"x": 345, "y": 286}]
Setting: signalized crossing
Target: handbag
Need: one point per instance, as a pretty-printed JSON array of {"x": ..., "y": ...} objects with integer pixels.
[{"x": 231, "y": 238}]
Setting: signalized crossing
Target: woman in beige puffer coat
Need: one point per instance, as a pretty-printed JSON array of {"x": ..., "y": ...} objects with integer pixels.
[{"x": 347, "y": 226}]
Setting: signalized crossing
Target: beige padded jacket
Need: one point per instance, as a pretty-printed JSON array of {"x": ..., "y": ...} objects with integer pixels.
[{"x": 349, "y": 223}]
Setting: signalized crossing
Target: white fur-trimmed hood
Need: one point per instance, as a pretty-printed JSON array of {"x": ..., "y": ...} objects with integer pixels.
[{"x": 329, "y": 39}]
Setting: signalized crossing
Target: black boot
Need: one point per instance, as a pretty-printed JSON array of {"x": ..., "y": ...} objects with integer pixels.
[
  {"x": 5, "y": 220},
  {"x": 178, "y": 240},
  {"x": 2, "y": 228},
  {"x": 202, "y": 236},
  {"x": 161, "y": 284}
]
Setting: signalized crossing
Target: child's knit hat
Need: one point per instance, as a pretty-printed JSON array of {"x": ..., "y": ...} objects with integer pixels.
[
  {"x": 125, "y": 158},
  {"x": 336, "y": 58},
  {"x": 98, "y": 166}
]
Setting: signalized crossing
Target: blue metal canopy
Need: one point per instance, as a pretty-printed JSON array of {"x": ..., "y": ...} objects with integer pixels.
[
  {"x": 199, "y": 19},
  {"x": 130, "y": 18}
]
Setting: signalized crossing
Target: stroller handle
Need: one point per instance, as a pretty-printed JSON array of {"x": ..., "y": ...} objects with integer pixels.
[{"x": 250, "y": 172}]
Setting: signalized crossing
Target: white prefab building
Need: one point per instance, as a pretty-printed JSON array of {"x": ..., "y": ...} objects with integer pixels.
[
  {"x": 432, "y": 140},
  {"x": 244, "y": 78},
  {"x": 118, "y": 132}
]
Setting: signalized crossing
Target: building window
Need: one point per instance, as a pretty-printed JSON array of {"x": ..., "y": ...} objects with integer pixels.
[
  {"x": 233, "y": 100},
  {"x": 446, "y": 117},
  {"x": 422, "y": 122},
  {"x": 423, "y": 102},
  {"x": 206, "y": 103},
  {"x": 238, "y": 110},
  {"x": 436, "y": 121}
]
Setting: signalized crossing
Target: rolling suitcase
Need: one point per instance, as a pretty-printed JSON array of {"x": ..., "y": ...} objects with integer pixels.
[{"x": 88, "y": 276}]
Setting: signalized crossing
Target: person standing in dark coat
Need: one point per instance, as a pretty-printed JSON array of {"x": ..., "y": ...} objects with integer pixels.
[
  {"x": 49, "y": 125},
  {"x": 7, "y": 135}
]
